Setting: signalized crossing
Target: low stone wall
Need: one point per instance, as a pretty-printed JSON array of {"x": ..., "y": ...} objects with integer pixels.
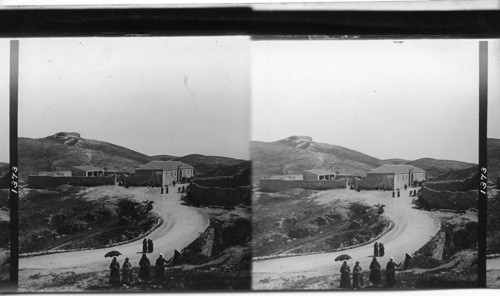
[
  {"x": 219, "y": 196},
  {"x": 449, "y": 199},
  {"x": 274, "y": 185},
  {"x": 453, "y": 185},
  {"x": 376, "y": 181},
  {"x": 40, "y": 182}
]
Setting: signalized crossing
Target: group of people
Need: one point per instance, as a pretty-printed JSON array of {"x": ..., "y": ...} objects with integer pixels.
[
  {"x": 375, "y": 278},
  {"x": 144, "y": 270},
  {"x": 378, "y": 249},
  {"x": 147, "y": 246}
]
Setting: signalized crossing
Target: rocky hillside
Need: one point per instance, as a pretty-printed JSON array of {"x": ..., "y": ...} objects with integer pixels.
[
  {"x": 63, "y": 150},
  {"x": 493, "y": 159},
  {"x": 298, "y": 153},
  {"x": 435, "y": 167},
  {"x": 4, "y": 175}
]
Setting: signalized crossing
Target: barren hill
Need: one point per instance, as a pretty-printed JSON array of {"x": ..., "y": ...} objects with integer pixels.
[
  {"x": 4, "y": 175},
  {"x": 295, "y": 154},
  {"x": 493, "y": 159},
  {"x": 63, "y": 150},
  {"x": 204, "y": 164},
  {"x": 435, "y": 167}
]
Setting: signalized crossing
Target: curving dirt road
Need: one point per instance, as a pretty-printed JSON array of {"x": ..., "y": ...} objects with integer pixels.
[
  {"x": 413, "y": 229},
  {"x": 183, "y": 225}
]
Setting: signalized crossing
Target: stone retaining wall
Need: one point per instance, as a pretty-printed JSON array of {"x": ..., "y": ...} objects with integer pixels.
[
  {"x": 40, "y": 182},
  {"x": 449, "y": 199},
  {"x": 275, "y": 185}
]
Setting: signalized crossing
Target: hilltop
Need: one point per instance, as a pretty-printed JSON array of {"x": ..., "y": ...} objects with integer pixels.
[
  {"x": 493, "y": 159},
  {"x": 435, "y": 167},
  {"x": 295, "y": 154},
  {"x": 61, "y": 151}
]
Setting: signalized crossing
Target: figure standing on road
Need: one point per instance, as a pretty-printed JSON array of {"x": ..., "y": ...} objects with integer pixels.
[
  {"x": 398, "y": 192},
  {"x": 393, "y": 193},
  {"x": 160, "y": 269},
  {"x": 127, "y": 272},
  {"x": 406, "y": 187},
  {"x": 391, "y": 272},
  {"x": 114, "y": 277},
  {"x": 144, "y": 268},
  {"x": 375, "y": 272},
  {"x": 381, "y": 249},
  {"x": 345, "y": 276},
  {"x": 408, "y": 261},
  {"x": 166, "y": 189},
  {"x": 375, "y": 249},
  {"x": 357, "y": 277},
  {"x": 173, "y": 183},
  {"x": 150, "y": 246},
  {"x": 144, "y": 245}
]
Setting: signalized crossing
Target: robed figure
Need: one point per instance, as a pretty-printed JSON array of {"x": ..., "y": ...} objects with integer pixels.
[
  {"x": 408, "y": 261},
  {"x": 160, "y": 269},
  {"x": 150, "y": 246},
  {"x": 144, "y": 265},
  {"x": 390, "y": 270},
  {"x": 375, "y": 249},
  {"x": 127, "y": 272},
  {"x": 357, "y": 277},
  {"x": 345, "y": 276},
  {"x": 144, "y": 245},
  {"x": 375, "y": 272},
  {"x": 114, "y": 277}
]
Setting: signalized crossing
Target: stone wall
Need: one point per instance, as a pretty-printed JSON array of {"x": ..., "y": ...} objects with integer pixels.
[
  {"x": 449, "y": 199},
  {"x": 219, "y": 196},
  {"x": 39, "y": 182},
  {"x": 376, "y": 181},
  {"x": 450, "y": 185},
  {"x": 274, "y": 185}
]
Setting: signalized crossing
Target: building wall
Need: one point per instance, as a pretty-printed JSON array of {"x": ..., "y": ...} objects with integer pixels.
[
  {"x": 187, "y": 173},
  {"x": 400, "y": 180},
  {"x": 40, "y": 182},
  {"x": 274, "y": 185},
  {"x": 377, "y": 181}
]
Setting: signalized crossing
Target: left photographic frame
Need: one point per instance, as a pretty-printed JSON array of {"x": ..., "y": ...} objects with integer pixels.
[{"x": 134, "y": 167}]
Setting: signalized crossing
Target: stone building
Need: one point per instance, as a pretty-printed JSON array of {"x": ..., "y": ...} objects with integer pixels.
[
  {"x": 319, "y": 174},
  {"x": 393, "y": 177},
  {"x": 162, "y": 173},
  {"x": 86, "y": 171}
]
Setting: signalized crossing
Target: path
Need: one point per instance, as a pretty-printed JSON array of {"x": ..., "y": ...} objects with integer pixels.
[
  {"x": 183, "y": 225},
  {"x": 413, "y": 229}
]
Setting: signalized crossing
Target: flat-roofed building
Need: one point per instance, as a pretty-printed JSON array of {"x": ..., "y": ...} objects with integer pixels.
[
  {"x": 87, "y": 171},
  {"x": 162, "y": 173},
  {"x": 393, "y": 177},
  {"x": 319, "y": 174}
]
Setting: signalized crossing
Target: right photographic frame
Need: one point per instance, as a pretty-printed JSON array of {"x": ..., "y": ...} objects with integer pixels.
[{"x": 365, "y": 163}]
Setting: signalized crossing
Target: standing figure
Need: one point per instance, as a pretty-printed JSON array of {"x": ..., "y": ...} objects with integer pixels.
[
  {"x": 391, "y": 272},
  {"x": 161, "y": 190},
  {"x": 150, "y": 246},
  {"x": 381, "y": 249},
  {"x": 144, "y": 245},
  {"x": 375, "y": 249},
  {"x": 375, "y": 272},
  {"x": 114, "y": 277},
  {"x": 357, "y": 277},
  {"x": 160, "y": 269},
  {"x": 408, "y": 261},
  {"x": 406, "y": 187},
  {"x": 398, "y": 192},
  {"x": 393, "y": 193},
  {"x": 345, "y": 278},
  {"x": 127, "y": 272},
  {"x": 173, "y": 183},
  {"x": 144, "y": 264}
]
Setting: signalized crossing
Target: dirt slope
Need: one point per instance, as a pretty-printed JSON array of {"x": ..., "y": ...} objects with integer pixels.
[
  {"x": 435, "y": 167},
  {"x": 413, "y": 229}
]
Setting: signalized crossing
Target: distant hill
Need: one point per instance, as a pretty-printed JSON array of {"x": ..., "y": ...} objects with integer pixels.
[
  {"x": 4, "y": 175},
  {"x": 493, "y": 159},
  {"x": 242, "y": 173},
  {"x": 463, "y": 174},
  {"x": 395, "y": 161},
  {"x": 165, "y": 157},
  {"x": 204, "y": 164},
  {"x": 295, "y": 154},
  {"x": 63, "y": 150},
  {"x": 435, "y": 167}
]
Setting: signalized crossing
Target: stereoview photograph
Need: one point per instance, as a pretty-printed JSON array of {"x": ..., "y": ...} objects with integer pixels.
[
  {"x": 364, "y": 157},
  {"x": 134, "y": 164}
]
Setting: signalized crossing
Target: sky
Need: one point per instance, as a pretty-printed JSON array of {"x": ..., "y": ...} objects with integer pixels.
[
  {"x": 409, "y": 100},
  {"x": 174, "y": 96},
  {"x": 4, "y": 99},
  {"x": 494, "y": 89}
]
